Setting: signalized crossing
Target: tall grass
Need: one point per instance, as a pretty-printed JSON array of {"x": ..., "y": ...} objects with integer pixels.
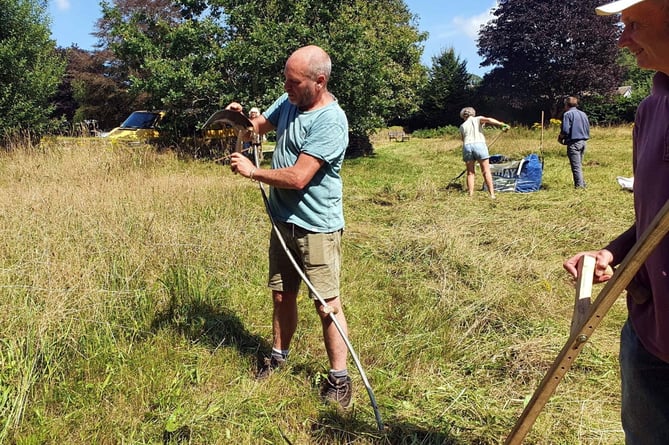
[{"x": 133, "y": 303}]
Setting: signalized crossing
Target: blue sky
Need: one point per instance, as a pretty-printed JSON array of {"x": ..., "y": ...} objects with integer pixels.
[{"x": 449, "y": 24}]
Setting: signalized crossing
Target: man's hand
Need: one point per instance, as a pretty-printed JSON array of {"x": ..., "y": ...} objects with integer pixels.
[
  {"x": 603, "y": 260},
  {"x": 241, "y": 164},
  {"x": 235, "y": 106}
]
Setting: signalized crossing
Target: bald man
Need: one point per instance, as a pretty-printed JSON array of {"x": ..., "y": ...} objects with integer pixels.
[{"x": 305, "y": 202}]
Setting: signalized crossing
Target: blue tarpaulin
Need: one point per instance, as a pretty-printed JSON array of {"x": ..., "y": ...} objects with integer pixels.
[{"x": 522, "y": 176}]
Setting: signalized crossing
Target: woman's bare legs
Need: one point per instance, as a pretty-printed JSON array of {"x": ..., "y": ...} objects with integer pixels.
[
  {"x": 487, "y": 176},
  {"x": 471, "y": 176}
]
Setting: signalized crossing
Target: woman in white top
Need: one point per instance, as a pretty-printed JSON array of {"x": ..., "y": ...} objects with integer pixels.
[{"x": 474, "y": 148}]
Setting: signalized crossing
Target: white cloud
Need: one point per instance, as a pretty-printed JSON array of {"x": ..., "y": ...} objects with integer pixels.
[
  {"x": 461, "y": 33},
  {"x": 63, "y": 5},
  {"x": 470, "y": 26}
]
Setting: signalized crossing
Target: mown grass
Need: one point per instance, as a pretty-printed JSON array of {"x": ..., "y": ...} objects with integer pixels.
[{"x": 133, "y": 303}]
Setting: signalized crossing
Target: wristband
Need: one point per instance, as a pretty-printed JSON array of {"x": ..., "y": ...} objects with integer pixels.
[{"x": 251, "y": 174}]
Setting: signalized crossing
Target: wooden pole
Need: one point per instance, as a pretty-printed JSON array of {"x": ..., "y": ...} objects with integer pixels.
[
  {"x": 541, "y": 144},
  {"x": 586, "y": 270}
]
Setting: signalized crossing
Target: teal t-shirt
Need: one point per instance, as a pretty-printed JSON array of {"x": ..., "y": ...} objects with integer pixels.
[{"x": 323, "y": 134}]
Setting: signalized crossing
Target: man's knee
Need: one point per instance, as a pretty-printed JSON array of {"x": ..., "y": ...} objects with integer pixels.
[
  {"x": 281, "y": 297},
  {"x": 331, "y": 306}
]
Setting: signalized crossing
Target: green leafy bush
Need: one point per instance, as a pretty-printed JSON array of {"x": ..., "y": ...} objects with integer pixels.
[{"x": 431, "y": 133}]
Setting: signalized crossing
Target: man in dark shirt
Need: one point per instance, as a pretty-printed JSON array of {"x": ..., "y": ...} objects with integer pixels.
[
  {"x": 644, "y": 340},
  {"x": 574, "y": 134}
]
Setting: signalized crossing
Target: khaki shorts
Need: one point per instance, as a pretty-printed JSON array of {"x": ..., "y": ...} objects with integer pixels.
[{"x": 317, "y": 254}]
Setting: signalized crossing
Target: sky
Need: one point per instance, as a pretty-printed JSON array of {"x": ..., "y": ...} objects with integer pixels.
[{"x": 449, "y": 24}]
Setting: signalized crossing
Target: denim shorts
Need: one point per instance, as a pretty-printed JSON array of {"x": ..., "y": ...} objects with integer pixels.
[
  {"x": 317, "y": 254},
  {"x": 645, "y": 392},
  {"x": 477, "y": 151}
]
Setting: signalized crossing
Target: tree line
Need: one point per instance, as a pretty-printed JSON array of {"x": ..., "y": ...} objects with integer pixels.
[{"x": 190, "y": 58}]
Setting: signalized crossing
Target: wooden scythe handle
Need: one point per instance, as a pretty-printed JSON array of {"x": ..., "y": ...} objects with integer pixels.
[
  {"x": 586, "y": 270},
  {"x": 609, "y": 294}
]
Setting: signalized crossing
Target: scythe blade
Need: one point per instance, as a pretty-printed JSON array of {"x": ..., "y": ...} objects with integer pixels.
[{"x": 240, "y": 123}]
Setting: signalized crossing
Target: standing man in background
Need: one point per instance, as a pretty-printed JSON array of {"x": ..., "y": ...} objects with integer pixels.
[
  {"x": 574, "y": 134},
  {"x": 305, "y": 203},
  {"x": 256, "y": 139}
]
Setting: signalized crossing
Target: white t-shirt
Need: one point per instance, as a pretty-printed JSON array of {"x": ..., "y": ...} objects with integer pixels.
[{"x": 471, "y": 130}]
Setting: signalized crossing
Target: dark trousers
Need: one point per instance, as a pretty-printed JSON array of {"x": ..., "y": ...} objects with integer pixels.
[
  {"x": 575, "y": 153},
  {"x": 645, "y": 392}
]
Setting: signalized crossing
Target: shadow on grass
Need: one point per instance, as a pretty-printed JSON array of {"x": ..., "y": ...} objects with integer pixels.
[
  {"x": 336, "y": 427},
  {"x": 212, "y": 326},
  {"x": 195, "y": 309}
]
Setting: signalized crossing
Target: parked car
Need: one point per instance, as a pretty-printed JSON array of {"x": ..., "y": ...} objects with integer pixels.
[
  {"x": 140, "y": 126},
  {"x": 217, "y": 138}
]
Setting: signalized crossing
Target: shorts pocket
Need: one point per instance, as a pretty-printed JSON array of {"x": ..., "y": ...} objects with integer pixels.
[{"x": 316, "y": 243}]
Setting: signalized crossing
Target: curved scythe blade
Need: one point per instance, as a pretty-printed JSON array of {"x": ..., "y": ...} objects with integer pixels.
[{"x": 235, "y": 119}]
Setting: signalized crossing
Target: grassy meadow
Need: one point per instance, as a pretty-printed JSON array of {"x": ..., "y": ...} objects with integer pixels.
[{"x": 133, "y": 300}]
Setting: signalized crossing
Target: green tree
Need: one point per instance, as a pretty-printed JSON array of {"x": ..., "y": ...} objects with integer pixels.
[
  {"x": 90, "y": 89},
  {"x": 64, "y": 103},
  {"x": 623, "y": 108},
  {"x": 204, "y": 54},
  {"x": 543, "y": 51},
  {"x": 447, "y": 90},
  {"x": 30, "y": 68},
  {"x": 171, "y": 55},
  {"x": 641, "y": 80}
]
